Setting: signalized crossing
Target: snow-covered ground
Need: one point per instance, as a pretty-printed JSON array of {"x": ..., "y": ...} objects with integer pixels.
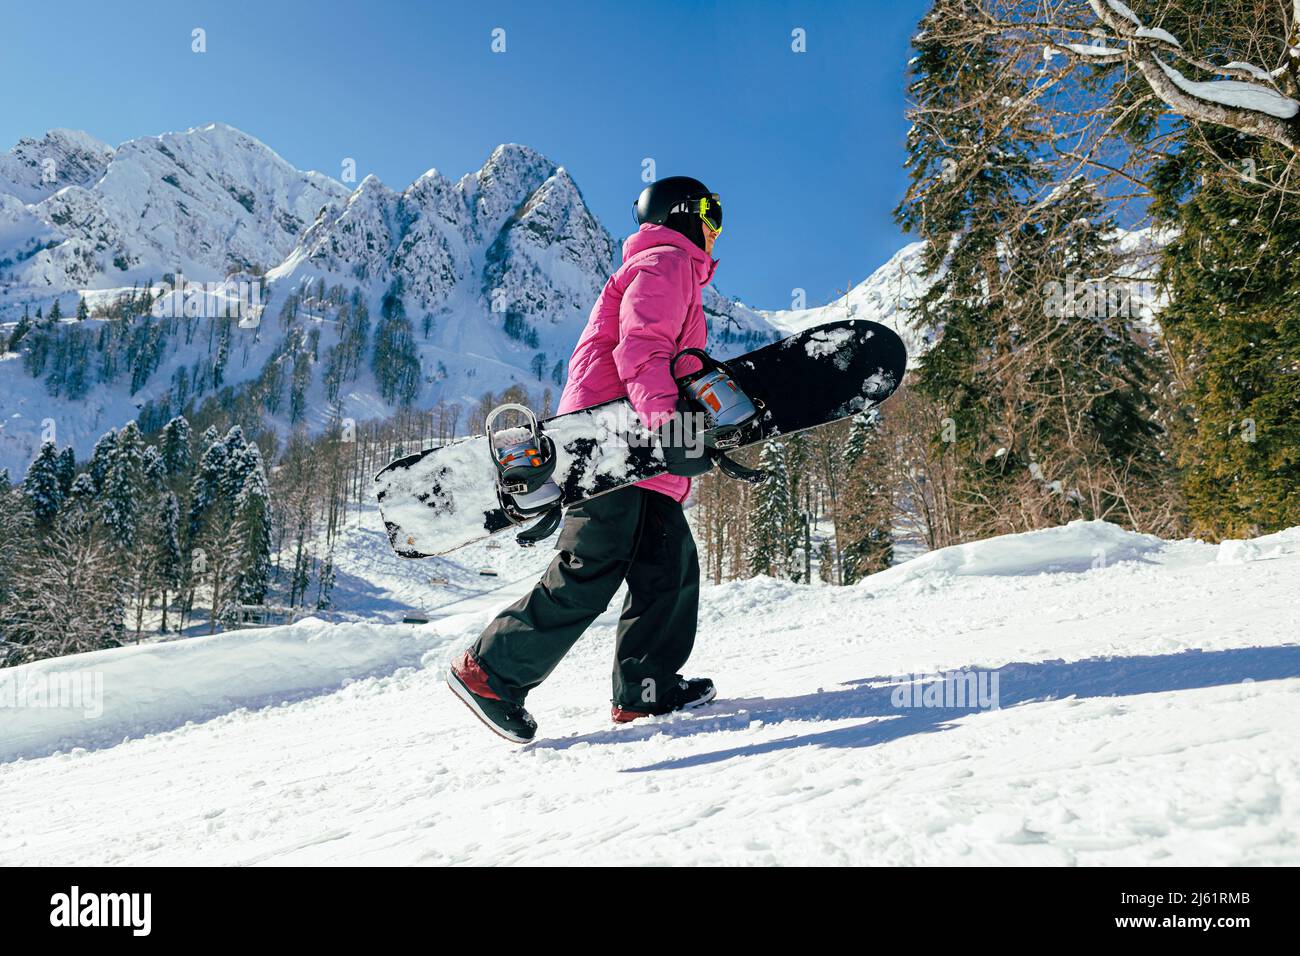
[{"x": 1148, "y": 697}]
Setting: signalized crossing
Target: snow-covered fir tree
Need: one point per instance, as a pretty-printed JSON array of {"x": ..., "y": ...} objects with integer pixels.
[
  {"x": 253, "y": 513},
  {"x": 119, "y": 500},
  {"x": 865, "y": 535},
  {"x": 772, "y": 541},
  {"x": 67, "y": 470},
  {"x": 42, "y": 486},
  {"x": 207, "y": 487},
  {"x": 167, "y": 556},
  {"x": 176, "y": 442},
  {"x": 101, "y": 459}
]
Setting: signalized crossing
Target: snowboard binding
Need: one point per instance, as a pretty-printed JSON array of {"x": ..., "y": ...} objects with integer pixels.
[
  {"x": 525, "y": 461},
  {"x": 727, "y": 409}
]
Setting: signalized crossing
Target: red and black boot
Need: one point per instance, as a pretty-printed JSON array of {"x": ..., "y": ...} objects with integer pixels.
[
  {"x": 469, "y": 682},
  {"x": 681, "y": 694}
]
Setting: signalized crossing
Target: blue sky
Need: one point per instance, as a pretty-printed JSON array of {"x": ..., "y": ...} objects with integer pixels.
[{"x": 806, "y": 149}]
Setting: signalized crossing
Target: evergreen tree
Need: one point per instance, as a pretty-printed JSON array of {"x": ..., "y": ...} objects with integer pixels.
[
  {"x": 101, "y": 459},
  {"x": 21, "y": 329},
  {"x": 42, "y": 487},
  {"x": 1232, "y": 270},
  {"x": 167, "y": 557},
  {"x": 56, "y": 313},
  {"x": 67, "y": 470},
  {"x": 865, "y": 535},
  {"x": 1050, "y": 409},
  {"x": 395, "y": 360},
  {"x": 153, "y": 469},
  {"x": 177, "y": 449},
  {"x": 141, "y": 564},
  {"x": 83, "y": 310},
  {"x": 392, "y": 306},
  {"x": 207, "y": 485},
  {"x": 210, "y": 435},
  {"x": 253, "y": 512},
  {"x": 223, "y": 353},
  {"x": 83, "y": 489},
  {"x": 772, "y": 537},
  {"x": 119, "y": 501},
  {"x": 238, "y": 465},
  {"x": 862, "y": 428},
  {"x": 971, "y": 172}
]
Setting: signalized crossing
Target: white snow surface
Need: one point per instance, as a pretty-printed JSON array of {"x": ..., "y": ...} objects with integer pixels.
[{"x": 1148, "y": 694}]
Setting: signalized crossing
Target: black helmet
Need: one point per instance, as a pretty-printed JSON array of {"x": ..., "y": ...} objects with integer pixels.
[{"x": 664, "y": 203}]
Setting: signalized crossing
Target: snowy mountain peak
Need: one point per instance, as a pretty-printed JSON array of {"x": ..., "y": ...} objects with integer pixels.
[
  {"x": 507, "y": 179},
  {"x": 886, "y": 296},
  {"x": 35, "y": 169},
  {"x": 79, "y": 139},
  {"x": 209, "y": 202}
]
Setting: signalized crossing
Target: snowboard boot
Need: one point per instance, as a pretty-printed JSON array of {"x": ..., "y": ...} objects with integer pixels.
[
  {"x": 468, "y": 681},
  {"x": 681, "y": 694}
]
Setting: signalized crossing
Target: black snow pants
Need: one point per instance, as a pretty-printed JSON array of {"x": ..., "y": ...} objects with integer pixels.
[{"x": 631, "y": 535}]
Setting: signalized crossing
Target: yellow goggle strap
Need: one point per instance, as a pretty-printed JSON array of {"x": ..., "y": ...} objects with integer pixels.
[{"x": 703, "y": 211}]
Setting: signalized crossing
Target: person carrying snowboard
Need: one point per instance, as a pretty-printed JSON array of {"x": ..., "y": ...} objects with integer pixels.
[{"x": 648, "y": 311}]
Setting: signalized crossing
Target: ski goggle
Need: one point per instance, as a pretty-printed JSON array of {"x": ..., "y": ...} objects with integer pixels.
[{"x": 708, "y": 208}]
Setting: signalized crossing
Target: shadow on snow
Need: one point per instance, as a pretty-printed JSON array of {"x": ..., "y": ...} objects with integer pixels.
[{"x": 872, "y": 697}]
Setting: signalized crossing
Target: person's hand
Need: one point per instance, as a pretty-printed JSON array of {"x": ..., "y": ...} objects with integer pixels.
[{"x": 682, "y": 439}]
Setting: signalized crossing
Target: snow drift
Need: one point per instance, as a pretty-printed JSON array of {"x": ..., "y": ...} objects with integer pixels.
[
  {"x": 1078, "y": 546},
  {"x": 102, "y": 698}
]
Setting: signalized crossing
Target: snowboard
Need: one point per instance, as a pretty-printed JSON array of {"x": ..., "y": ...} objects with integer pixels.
[{"x": 443, "y": 498}]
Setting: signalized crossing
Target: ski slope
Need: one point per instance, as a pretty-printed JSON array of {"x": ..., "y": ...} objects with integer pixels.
[{"x": 1148, "y": 693}]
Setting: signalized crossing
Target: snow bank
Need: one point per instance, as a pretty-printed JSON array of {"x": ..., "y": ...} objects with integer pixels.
[
  {"x": 1077, "y": 546},
  {"x": 1259, "y": 549},
  {"x": 97, "y": 699}
]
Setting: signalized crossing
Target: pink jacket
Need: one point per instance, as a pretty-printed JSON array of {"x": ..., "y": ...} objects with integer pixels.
[{"x": 649, "y": 311}]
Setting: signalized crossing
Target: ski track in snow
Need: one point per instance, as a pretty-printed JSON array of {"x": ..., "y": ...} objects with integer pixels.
[{"x": 1149, "y": 693}]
